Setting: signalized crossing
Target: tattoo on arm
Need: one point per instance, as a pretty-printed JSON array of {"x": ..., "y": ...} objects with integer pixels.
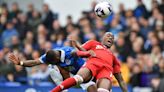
[{"x": 30, "y": 63}]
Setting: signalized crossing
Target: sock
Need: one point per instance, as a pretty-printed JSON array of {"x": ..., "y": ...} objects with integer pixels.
[{"x": 65, "y": 85}]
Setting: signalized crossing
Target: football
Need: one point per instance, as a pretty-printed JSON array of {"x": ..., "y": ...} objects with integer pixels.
[{"x": 103, "y": 9}]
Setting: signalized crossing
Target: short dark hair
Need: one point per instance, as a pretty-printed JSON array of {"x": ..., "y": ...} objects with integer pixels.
[{"x": 50, "y": 55}]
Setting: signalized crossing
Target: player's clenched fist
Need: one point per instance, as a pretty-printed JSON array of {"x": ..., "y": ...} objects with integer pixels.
[{"x": 14, "y": 59}]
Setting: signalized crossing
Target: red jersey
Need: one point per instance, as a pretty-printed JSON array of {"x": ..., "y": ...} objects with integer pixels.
[{"x": 104, "y": 56}]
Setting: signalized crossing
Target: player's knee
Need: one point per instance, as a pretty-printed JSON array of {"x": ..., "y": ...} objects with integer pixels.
[
  {"x": 102, "y": 90},
  {"x": 78, "y": 79}
]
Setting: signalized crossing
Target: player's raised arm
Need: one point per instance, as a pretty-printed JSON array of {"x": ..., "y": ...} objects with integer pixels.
[
  {"x": 85, "y": 47},
  {"x": 75, "y": 43},
  {"x": 84, "y": 54},
  {"x": 28, "y": 63}
]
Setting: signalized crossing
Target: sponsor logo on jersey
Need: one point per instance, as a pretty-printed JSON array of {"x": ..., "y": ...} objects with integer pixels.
[
  {"x": 110, "y": 74},
  {"x": 99, "y": 47}
]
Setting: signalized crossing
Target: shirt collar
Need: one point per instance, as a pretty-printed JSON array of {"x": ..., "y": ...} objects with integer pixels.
[{"x": 62, "y": 57}]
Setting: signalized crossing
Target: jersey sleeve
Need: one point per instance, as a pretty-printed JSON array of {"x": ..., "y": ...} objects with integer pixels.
[
  {"x": 116, "y": 65},
  {"x": 42, "y": 58},
  {"x": 88, "y": 45},
  {"x": 66, "y": 53}
]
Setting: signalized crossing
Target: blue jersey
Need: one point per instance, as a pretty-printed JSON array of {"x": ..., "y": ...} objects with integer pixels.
[{"x": 71, "y": 63}]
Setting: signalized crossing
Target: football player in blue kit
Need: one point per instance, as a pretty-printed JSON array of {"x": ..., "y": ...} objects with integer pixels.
[{"x": 62, "y": 61}]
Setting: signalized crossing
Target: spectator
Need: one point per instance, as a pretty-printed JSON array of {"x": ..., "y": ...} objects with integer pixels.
[
  {"x": 15, "y": 10},
  {"x": 122, "y": 48},
  {"x": 22, "y": 26},
  {"x": 59, "y": 40},
  {"x": 141, "y": 10},
  {"x": 147, "y": 45},
  {"x": 157, "y": 84},
  {"x": 56, "y": 27},
  {"x": 69, "y": 20},
  {"x": 155, "y": 55},
  {"x": 161, "y": 6},
  {"x": 16, "y": 45},
  {"x": 42, "y": 30},
  {"x": 130, "y": 63},
  {"x": 161, "y": 68},
  {"x": 145, "y": 28},
  {"x": 4, "y": 17},
  {"x": 137, "y": 47},
  {"x": 48, "y": 46},
  {"x": 136, "y": 76},
  {"x": 5, "y": 66},
  {"x": 122, "y": 10},
  {"x": 161, "y": 39},
  {"x": 48, "y": 17},
  {"x": 30, "y": 10},
  {"x": 20, "y": 74},
  {"x": 34, "y": 20},
  {"x": 99, "y": 29},
  {"x": 41, "y": 75},
  {"x": 8, "y": 34},
  {"x": 29, "y": 39},
  {"x": 28, "y": 51},
  {"x": 3, "y": 20},
  {"x": 115, "y": 27},
  {"x": 88, "y": 34}
]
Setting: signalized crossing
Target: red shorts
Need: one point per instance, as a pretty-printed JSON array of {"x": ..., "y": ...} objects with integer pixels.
[{"x": 99, "y": 71}]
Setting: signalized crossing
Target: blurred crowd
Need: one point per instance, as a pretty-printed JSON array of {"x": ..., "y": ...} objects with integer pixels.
[{"x": 139, "y": 40}]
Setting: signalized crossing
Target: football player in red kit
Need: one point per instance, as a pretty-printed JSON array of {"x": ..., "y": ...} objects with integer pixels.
[{"x": 101, "y": 66}]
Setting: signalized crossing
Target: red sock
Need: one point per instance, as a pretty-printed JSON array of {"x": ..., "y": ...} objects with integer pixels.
[{"x": 65, "y": 85}]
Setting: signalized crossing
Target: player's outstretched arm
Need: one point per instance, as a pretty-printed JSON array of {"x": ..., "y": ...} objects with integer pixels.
[
  {"x": 121, "y": 82},
  {"x": 75, "y": 43},
  {"x": 84, "y": 54},
  {"x": 28, "y": 63}
]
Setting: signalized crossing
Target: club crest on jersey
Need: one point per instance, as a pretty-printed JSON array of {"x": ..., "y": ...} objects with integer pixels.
[{"x": 99, "y": 47}]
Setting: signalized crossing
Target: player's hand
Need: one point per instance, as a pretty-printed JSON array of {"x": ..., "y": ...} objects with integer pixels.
[
  {"x": 92, "y": 53},
  {"x": 72, "y": 37},
  {"x": 14, "y": 59}
]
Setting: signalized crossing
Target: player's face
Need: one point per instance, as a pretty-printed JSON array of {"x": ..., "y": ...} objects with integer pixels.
[{"x": 108, "y": 39}]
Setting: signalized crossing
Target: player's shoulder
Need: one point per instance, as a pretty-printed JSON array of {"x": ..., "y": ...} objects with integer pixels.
[
  {"x": 111, "y": 52},
  {"x": 67, "y": 49}
]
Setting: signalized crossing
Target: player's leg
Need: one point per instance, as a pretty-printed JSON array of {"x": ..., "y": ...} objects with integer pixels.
[
  {"x": 104, "y": 78},
  {"x": 89, "y": 86},
  {"x": 104, "y": 85},
  {"x": 84, "y": 75},
  {"x": 57, "y": 75},
  {"x": 92, "y": 88}
]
